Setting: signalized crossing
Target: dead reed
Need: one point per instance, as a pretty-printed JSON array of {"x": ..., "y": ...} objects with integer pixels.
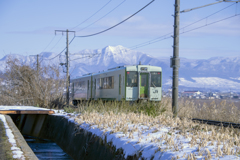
[{"x": 133, "y": 121}]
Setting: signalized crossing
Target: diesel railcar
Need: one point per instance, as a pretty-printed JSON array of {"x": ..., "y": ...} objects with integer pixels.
[{"x": 131, "y": 83}]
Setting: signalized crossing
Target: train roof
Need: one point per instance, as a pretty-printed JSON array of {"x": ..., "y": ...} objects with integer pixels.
[{"x": 115, "y": 69}]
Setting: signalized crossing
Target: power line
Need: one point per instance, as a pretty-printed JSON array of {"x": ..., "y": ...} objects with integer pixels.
[
  {"x": 119, "y": 22},
  {"x": 92, "y": 15},
  {"x": 151, "y": 42},
  {"x": 52, "y": 49},
  {"x": 56, "y": 44},
  {"x": 46, "y": 47},
  {"x": 103, "y": 16},
  {"x": 72, "y": 40},
  {"x": 78, "y": 64},
  {"x": 98, "y": 54},
  {"x": 48, "y": 44},
  {"x": 56, "y": 55},
  {"x": 209, "y": 24},
  {"x": 103, "y": 30},
  {"x": 165, "y": 36},
  {"x": 207, "y": 16},
  {"x": 161, "y": 38},
  {"x": 85, "y": 53},
  {"x": 61, "y": 51},
  {"x": 89, "y": 56}
]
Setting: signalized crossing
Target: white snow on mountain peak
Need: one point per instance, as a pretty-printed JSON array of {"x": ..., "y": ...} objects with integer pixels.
[
  {"x": 117, "y": 49},
  {"x": 192, "y": 71}
]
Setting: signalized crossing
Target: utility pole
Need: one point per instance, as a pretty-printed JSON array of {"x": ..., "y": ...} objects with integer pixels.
[
  {"x": 67, "y": 63},
  {"x": 37, "y": 65},
  {"x": 175, "y": 61}
]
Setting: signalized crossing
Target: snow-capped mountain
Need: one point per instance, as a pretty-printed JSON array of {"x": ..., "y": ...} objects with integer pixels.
[{"x": 215, "y": 73}]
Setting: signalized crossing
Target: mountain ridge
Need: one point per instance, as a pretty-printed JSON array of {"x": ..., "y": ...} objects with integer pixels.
[{"x": 192, "y": 72}]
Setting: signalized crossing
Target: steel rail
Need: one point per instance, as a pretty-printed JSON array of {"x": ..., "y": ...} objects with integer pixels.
[{"x": 217, "y": 123}]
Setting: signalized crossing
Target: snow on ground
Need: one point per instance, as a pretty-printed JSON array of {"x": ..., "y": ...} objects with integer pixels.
[
  {"x": 148, "y": 138},
  {"x": 21, "y": 108},
  {"x": 157, "y": 141},
  {"x": 17, "y": 153}
]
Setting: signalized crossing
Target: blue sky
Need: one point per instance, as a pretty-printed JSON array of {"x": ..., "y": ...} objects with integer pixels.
[{"x": 27, "y": 27}]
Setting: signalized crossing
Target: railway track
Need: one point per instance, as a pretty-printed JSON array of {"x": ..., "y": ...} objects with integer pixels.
[{"x": 217, "y": 123}]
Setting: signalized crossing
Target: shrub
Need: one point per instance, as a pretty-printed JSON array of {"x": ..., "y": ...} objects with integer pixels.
[{"x": 24, "y": 85}]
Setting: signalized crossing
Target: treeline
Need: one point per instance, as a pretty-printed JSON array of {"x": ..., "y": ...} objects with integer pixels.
[{"x": 22, "y": 84}]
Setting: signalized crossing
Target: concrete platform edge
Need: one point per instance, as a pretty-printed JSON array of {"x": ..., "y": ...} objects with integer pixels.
[{"x": 21, "y": 143}]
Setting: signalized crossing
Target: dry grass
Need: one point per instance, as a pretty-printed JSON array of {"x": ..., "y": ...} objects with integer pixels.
[
  {"x": 150, "y": 108},
  {"x": 225, "y": 141},
  {"x": 225, "y": 111},
  {"x": 133, "y": 122},
  {"x": 218, "y": 110}
]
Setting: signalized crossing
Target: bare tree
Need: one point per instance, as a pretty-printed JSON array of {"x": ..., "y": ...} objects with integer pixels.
[{"x": 24, "y": 85}]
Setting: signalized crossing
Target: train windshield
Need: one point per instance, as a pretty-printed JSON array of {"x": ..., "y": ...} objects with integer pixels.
[
  {"x": 155, "y": 79},
  {"x": 132, "y": 79}
]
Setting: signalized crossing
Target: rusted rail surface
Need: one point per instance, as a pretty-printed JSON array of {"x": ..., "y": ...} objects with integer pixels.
[
  {"x": 26, "y": 112},
  {"x": 217, "y": 123}
]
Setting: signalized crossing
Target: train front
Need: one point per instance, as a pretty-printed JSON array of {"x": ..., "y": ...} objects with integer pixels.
[{"x": 143, "y": 82}]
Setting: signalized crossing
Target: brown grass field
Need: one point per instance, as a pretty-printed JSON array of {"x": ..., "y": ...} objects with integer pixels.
[{"x": 118, "y": 116}]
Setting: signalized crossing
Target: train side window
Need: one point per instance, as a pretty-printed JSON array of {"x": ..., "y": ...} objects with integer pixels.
[
  {"x": 105, "y": 83},
  {"x": 108, "y": 83},
  {"x": 155, "y": 79},
  {"x": 98, "y": 83},
  {"x": 132, "y": 79},
  {"x": 79, "y": 85}
]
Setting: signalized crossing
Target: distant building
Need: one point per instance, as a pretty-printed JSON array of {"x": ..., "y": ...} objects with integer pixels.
[
  {"x": 191, "y": 94},
  {"x": 236, "y": 97}
]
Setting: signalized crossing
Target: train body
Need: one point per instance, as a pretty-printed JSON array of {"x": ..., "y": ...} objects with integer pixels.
[{"x": 131, "y": 83}]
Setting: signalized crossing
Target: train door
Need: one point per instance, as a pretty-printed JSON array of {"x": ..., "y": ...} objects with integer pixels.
[
  {"x": 131, "y": 85},
  {"x": 155, "y": 87},
  {"x": 143, "y": 85},
  {"x": 89, "y": 89}
]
